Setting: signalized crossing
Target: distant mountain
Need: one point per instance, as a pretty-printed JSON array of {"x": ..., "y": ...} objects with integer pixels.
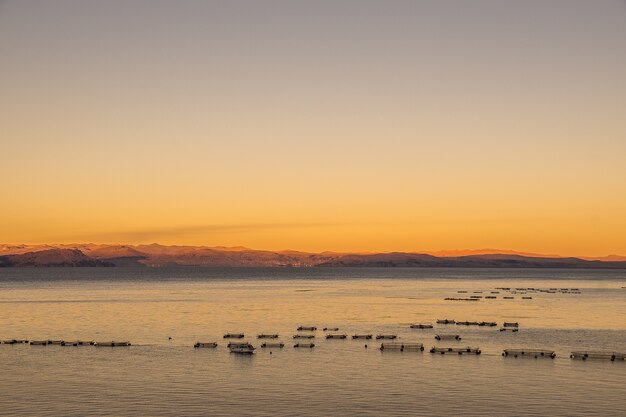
[{"x": 156, "y": 255}]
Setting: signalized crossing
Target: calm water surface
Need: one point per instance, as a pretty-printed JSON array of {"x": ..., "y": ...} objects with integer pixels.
[{"x": 160, "y": 377}]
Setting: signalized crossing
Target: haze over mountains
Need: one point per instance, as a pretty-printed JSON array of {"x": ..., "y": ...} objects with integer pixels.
[{"x": 155, "y": 255}]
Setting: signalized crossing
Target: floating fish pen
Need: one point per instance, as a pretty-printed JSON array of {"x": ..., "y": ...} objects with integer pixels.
[
  {"x": 487, "y": 323},
  {"x": 277, "y": 345},
  {"x": 267, "y": 336},
  {"x": 402, "y": 346},
  {"x": 78, "y": 343},
  {"x": 476, "y": 296},
  {"x": 462, "y": 292},
  {"x": 56, "y": 342},
  {"x": 306, "y": 328},
  {"x": 111, "y": 344},
  {"x": 529, "y": 353},
  {"x": 331, "y": 329},
  {"x": 459, "y": 351},
  {"x": 243, "y": 348},
  {"x": 494, "y": 292},
  {"x": 386, "y": 336},
  {"x": 510, "y": 324},
  {"x": 527, "y": 298},
  {"x": 362, "y": 336},
  {"x": 234, "y": 336},
  {"x": 445, "y": 321},
  {"x": 612, "y": 356},
  {"x": 421, "y": 326},
  {"x": 509, "y": 329},
  {"x": 303, "y": 336},
  {"x": 467, "y": 323},
  {"x": 508, "y": 298},
  {"x": 336, "y": 336},
  {"x": 39, "y": 342},
  {"x": 460, "y": 299},
  {"x": 304, "y": 345},
  {"x": 447, "y": 337},
  {"x": 478, "y": 292},
  {"x": 14, "y": 342},
  {"x": 205, "y": 345}
]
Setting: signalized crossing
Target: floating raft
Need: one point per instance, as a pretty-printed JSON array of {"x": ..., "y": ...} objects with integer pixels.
[
  {"x": 508, "y": 298},
  {"x": 509, "y": 329},
  {"x": 402, "y": 346},
  {"x": 234, "y": 336},
  {"x": 243, "y": 348},
  {"x": 447, "y": 337},
  {"x": 460, "y": 351},
  {"x": 490, "y": 297},
  {"x": 467, "y": 323},
  {"x": 14, "y": 341},
  {"x": 78, "y": 343},
  {"x": 510, "y": 324},
  {"x": 336, "y": 336},
  {"x": 304, "y": 336},
  {"x": 530, "y": 353},
  {"x": 527, "y": 298},
  {"x": 421, "y": 326},
  {"x": 445, "y": 321},
  {"x": 39, "y": 342},
  {"x": 267, "y": 336},
  {"x": 487, "y": 323},
  {"x": 56, "y": 342},
  {"x": 304, "y": 345},
  {"x": 331, "y": 329},
  {"x": 273, "y": 345},
  {"x": 386, "y": 336},
  {"x": 111, "y": 344},
  {"x": 205, "y": 345},
  {"x": 460, "y": 299},
  {"x": 361, "y": 336},
  {"x": 306, "y": 328},
  {"x": 584, "y": 355}
]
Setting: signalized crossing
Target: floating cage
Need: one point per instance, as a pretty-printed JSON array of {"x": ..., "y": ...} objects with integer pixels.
[
  {"x": 331, "y": 329},
  {"x": 111, "y": 344},
  {"x": 487, "y": 323},
  {"x": 361, "y": 336},
  {"x": 386, "y": 336},
  {"x": 244, "y": 348},
  {"x": 467, "y": 323},
  {"x": 447, "y": 337},
  {"x": 304, "y": 345},
  {"x": 278, "y": 345},
  {"x": 39, "y": 342},
  {"x": 460, "y": 299},
  {"x": 445, "y": 321},
  {"x": 460, "y": 351},
  {"x": 421, "y": 326},
  {"x": 306, "y": 328},
  {"x": 78, "y": 343},
  {"x": 529, "y": 353},
  {"x": 509, "y": 329},
  {"x": 490, "y": 297},
  {"x": 205, "y": 345},
  {"x": 510, "y": 324},
  {"x": 336, "y": 336},
  {"x": 584, "y": 355},
  {"x": 234, "y": 336},
  {"x": 303, "y": 336},
  {"x": 508, "y": 298},
  {"x": 56, "y": 342},
  {"x": 527, "y": 298},
  {"x": 267, "y": 336},
  {"x": 402, "y": 346}
]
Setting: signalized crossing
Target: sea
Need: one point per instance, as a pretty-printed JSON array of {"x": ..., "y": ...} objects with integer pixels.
[{"x": 163, "y": 312}]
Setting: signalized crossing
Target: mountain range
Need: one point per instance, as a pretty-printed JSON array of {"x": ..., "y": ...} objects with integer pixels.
[{"x": 155, "y": 255}]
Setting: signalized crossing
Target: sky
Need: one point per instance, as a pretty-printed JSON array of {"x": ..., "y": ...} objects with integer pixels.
[{"x": 315, "y": 125}]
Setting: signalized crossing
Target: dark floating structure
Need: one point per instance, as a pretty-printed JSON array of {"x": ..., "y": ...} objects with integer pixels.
[
  {"x": 39, "y": 342},
  {"x": 487, "y": 323},
  {"x": 14, "y": 342},
  {"x": 445, "y": 321},
  {"x": 241, "y": 348},
  {"x": 402, "y": 346},
  {"x": 460, "y": 351},
  {"x": 584, "y": 355},
  {"x": 78, "y": 343},
  {"x": 336, "y": 336},
  {"x": 527, "y": 298},
  {"x": 331, "y": 329},
  {"x": 447, "y": 337},
  {"x": 278, "y": 345},
  {"x": 205, "y": 345},
  {"x": 306, "y": 328},
  {"x": 234, "y": 336},
  {"x": 362, "y": 336},
  {"x": 111, "y": 344},
  {"x": 304, "y": 336},
  {"x": 267, "y": 336},
  {"x": 460, "y": 299},
  {"x": 529, "y": 353},
  {"x": 421, "y": 326},
  {"x": 467, "y": 323},
  {"x": 510, "y": 326},
  {"x": 386, "y": 336},
  {"x": 304, "y": 345}
]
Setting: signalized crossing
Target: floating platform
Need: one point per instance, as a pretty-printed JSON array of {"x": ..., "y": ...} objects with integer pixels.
[
  {"x": 402, "y": 346},
  {"x": 527, "y": 298},
  {"x": 509, "y": 329},
  {"x": 14, "y": 342},
  {"x": 386, "y": 336},
  {"x": 529, "y": 353},
  {"x": 487, "y": 323},
  {"x": 362, "y": 336},
  {"x": 111, "y": 344},
  {"x": 460, "y": 299},
  {"x": 78, "y": 343},
  {"x": 56, "y": 342},
  {"x": 234, "y": 336},
  {"x": 306, "y": 328},
  {"x": 331, "y": 329},
  {"x": 467, "y": 323},
  {"x": 304, "y": 345},
  {"x": 447, "y": 337},
  {"x": 39, "y": 342},
  {"x": 445, "y": 321},
  {"x": 460, "y": 351},
  {"x": 508, "y": 298},
  {"x": 336, "y": 336},
  {"x": 205, "y": 345},
  {"x": 490, "y": 297},
  {"x": 304, "y": 336},
  {"x": 421, "y": 326},
  {"x": 510, "y": 324},
  {"x": 584, "y": 355},
  {"x": 278, "y": 345},
  {"x": 267, "y": 336},
  {"x": 241, "y": 348}
]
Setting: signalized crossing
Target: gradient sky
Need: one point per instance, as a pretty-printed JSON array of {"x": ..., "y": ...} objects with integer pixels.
[{"x": 319, "y": 125}]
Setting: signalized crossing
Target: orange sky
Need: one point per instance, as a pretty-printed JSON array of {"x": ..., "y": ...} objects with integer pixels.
[{"x": 347, "y": 126}]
